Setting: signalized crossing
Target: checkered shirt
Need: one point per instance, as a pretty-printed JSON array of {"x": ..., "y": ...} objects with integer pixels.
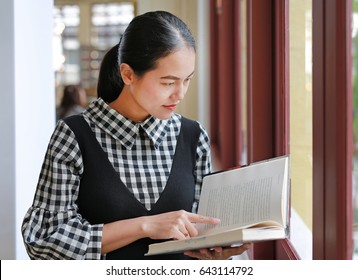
[{"x": 142, "y": 153}]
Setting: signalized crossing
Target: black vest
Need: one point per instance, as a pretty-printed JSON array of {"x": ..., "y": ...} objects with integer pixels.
[{"x": 103, "y": 197}]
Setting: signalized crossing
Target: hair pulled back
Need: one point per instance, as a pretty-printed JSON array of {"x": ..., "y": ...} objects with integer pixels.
[{"x": 109, "y": 83}]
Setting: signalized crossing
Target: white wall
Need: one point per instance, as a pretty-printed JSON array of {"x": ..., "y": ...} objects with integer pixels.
[
  {"x": 7, "y": 139},
  {"x": 27, "y": 111}
]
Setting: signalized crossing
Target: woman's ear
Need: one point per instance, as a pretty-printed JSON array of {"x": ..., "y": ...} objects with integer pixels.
[{"x": 126, "y": 73}]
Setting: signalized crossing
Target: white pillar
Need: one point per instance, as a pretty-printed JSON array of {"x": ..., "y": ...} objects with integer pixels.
[
  {"x": 27, "y": 111},
  {"x": 203, "y": 58}
]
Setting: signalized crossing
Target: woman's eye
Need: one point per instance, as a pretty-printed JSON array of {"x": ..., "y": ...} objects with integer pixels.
[{"x": 169, "y": 84}]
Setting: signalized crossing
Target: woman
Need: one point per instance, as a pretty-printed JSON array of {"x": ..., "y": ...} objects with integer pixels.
[{"x": 127, "y": 172}]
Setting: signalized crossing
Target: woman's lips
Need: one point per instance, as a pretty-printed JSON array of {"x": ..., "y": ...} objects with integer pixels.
[{"x": 170, "y": 107}]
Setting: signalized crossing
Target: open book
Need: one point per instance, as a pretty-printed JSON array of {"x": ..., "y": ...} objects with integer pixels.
[{"x": 250, "y": 201}]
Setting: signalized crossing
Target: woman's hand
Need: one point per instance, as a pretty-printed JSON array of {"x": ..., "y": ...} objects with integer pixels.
[
  {"x": 174, "y": 225},
  {"x": 218, "y": 253}
]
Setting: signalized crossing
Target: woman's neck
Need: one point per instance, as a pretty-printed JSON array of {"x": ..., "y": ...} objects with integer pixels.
[{"x": 128, "y": 107}]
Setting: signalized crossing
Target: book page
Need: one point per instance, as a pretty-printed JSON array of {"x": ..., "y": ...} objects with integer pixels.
[{"x": 245, "y": 196}]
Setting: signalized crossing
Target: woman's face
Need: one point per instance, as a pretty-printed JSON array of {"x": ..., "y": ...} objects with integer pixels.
[{"x": 159, "y": 91}]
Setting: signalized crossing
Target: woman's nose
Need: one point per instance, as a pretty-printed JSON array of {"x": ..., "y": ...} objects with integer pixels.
[{"x": 180, "y": 92}]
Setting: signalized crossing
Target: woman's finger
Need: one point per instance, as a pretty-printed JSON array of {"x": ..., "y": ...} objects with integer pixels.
[
  {"x": 218, "y": 253},
  {"x": 195, "y": 218}
]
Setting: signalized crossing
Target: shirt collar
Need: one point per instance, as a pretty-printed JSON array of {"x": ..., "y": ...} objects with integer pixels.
[{"x": 124, "y": 129}]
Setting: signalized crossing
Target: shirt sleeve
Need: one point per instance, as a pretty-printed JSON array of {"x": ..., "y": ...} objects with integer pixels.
[
  {"x": 203, "y": 164},
  {"x": 52, "y": 227}
]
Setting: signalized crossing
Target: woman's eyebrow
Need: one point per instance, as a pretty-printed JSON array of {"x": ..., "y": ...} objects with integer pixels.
[{"x": 171, "y": 77}]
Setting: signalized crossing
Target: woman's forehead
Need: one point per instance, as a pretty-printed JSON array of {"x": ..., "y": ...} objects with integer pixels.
[{"x": 179, "y": 64}]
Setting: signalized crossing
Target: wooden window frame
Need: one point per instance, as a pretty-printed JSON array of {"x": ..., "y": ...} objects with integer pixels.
[
  {"x": 332, "y": 130},
  {"x": 268, "y": 97},
  {"x": 268, "y": 112},
  {"x": 267, "y": 86},
  {"x": 225, "y": 98}
]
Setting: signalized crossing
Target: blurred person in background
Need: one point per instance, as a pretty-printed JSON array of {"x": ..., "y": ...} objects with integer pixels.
[{"x": 73, "y": 102}]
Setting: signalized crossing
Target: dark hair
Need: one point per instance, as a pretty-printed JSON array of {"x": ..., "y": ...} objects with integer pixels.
[
  {"x": 71, "y": 96},
  {"x": 109, "y": 82},
  {"x": 147, "y": 38}
]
